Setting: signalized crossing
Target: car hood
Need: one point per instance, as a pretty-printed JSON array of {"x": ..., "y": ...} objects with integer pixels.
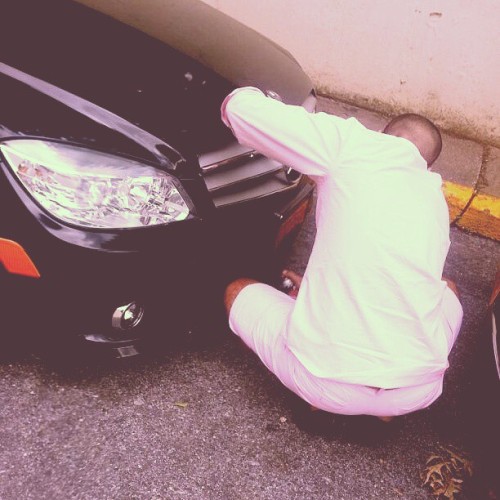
[{"x": 157, "y": 69}]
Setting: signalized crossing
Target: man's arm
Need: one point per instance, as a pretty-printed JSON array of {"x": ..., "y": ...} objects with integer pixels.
[{"x": 310, "y": 143}]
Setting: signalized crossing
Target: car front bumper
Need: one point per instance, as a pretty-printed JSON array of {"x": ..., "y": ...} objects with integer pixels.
[{"x": 175, "y": 274}]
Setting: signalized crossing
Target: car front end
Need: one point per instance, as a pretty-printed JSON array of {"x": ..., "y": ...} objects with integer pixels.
[{"x": 126, "y": 204}]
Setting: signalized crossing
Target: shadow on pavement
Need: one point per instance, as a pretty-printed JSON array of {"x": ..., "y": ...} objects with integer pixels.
[{"x": 360, "y": 429}]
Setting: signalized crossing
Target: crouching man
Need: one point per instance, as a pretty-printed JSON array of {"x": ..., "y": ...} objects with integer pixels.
[{"x": 374, "y": 321}]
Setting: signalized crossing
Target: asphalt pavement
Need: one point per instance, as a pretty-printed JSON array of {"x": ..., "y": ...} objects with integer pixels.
[{"x": 212, "y": 423}]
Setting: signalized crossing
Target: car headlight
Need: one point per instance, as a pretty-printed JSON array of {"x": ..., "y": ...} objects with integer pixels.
[{"x": 93, "y": 189}]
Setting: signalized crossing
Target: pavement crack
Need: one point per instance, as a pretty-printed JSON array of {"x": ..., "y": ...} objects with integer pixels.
[
  {"x": 481, "y": 181},
  {"x": 479, "y": 184}
]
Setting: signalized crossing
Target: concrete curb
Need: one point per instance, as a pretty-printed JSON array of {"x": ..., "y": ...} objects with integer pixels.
[{"x": 470, "y": 172}]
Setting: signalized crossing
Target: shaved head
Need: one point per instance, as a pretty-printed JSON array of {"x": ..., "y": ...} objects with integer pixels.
[{"x": 420, "y": 131}]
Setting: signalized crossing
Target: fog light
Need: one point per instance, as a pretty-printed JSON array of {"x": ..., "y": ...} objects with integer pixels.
[{"x": 127, "y": 317}]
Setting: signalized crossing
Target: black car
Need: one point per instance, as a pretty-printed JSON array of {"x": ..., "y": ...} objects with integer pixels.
[{"x": 126, "y": 203}]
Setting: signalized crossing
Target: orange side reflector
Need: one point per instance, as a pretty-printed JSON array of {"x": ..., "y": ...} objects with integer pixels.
[{"x": 16, "y": 260}]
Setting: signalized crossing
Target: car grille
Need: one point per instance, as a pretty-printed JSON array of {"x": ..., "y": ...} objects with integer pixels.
[{"x": 236, "y": 174}]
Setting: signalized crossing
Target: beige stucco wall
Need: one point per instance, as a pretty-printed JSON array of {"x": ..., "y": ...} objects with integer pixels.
[{"x": 436, "y": 57}]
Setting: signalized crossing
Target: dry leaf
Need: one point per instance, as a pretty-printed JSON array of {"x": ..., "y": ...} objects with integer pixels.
[
  {"x": 431, "y": 458},
  {"x": 454, "y": 486},
  {"x": 444, "y": 473},
  {"x": 435, "y": 469},
  {"x": 460, "y": 462},
  {"x": 180, "y": 405}
]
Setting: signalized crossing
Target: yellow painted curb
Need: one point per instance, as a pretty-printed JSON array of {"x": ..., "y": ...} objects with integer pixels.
[
  {"x": 457, "y": 197},
  {"x": 483, "y": 216}
]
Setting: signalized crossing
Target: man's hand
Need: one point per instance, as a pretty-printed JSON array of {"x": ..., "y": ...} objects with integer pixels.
[{"x": 296, "y": 280}]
